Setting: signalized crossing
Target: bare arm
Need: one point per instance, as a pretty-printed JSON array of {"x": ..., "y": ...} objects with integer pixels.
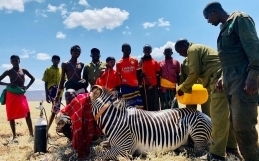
[
  {"x": 30, "y": 76},
  {"x": 85, "y": 76},
  {"x": 2, "y": 77},
  {"x": 62, "y": 80}
]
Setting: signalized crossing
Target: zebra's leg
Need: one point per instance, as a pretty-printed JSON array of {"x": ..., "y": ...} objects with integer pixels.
[{"x": 114, "y": 153}]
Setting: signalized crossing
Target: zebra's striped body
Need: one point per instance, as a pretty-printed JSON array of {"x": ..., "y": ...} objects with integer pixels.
[{"x": 131, "y": 130}]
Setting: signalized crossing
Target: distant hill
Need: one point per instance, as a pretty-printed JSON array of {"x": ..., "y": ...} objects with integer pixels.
[{"x": 37, "y": 95}]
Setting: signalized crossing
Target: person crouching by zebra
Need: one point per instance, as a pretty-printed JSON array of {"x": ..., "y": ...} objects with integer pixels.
[
  {"x": 150, "y": 80},
  {"x": 109, "y": 79},
  {"x": 78, "y": 108},
  {"x": 204, "y": 63}
]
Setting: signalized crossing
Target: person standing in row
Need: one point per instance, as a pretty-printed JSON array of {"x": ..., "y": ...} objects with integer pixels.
[
  {"x": 170, "y": 70},
  {"x": 92, "y": 71},
  {"x": 110, "y": 79},
  {"x": 71, "y": 70},
  {"x": 150, "y": 79},
  {"x": 51, "y": 77},
  {"x": 129, "y": 71},
  {"x": 13, "y": 96}
]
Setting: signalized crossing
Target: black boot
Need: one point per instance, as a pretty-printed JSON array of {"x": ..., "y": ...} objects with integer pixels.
[
  {"x": 233, "y": 152},
  {"x": 213, "y": 157}
]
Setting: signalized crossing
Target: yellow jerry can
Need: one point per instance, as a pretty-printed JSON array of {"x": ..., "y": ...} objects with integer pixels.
[{"x": 199, "y": 95}]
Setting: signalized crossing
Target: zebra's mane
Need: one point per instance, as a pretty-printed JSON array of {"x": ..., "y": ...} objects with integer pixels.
[{"x": 112, "y": 97}]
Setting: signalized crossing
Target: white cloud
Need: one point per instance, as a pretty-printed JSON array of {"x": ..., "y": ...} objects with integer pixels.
[
  {"x": 40, "y": 13},
  {"x": 6, "y": 66},
  {"x": 15, "y": 5},
  {"x": 26, "y": 53},
  {"x": 43, "y": 56},
  {"x": 97, "y": 19},
  {"x": 162, "y": 23},
  {"x": 126, "y": 33},
  {"x": 9, "y": 5},
  {"x": 127, "y": 27},
  {"x": 52, "y": 8},
  {"x": 149, "y": 24},
  {"x": 61, "y": 8},
  {"x": 157, "y": 52},
  {"x": 60, "y": 35},
  {"x": 83, "y": 3}
]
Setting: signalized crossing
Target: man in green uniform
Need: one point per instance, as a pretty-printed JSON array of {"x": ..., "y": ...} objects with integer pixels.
[
  {"x": 93, "y": 70},
  {"x": 238, "y": 48},
  {"x": 205, "y": 108},
  {"x": 203, "y": 63}
]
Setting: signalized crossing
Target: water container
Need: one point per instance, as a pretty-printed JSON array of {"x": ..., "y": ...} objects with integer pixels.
[
  {"x": 40, "y": 135},
  {"x": 199, "y": 95}
]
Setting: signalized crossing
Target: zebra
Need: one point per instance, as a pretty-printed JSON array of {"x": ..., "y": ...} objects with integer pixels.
[{"x": 135, "y": 131}]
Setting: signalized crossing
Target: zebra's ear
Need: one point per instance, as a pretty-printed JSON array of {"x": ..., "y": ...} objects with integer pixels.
[{"x": 96, "y": 91}]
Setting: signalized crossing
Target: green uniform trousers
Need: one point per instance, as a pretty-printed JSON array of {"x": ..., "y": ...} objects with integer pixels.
[
  {"x": 222, "y": 132},
  {"x": 244, "y": 118}
]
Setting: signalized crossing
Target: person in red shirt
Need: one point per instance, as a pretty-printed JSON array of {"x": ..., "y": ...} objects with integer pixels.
[
  {"x": 150, "y": 80},
  {"x": 129, "y": 72},
  {"x": 170, "y": 70},
  {"x": 110, "y": 78}
]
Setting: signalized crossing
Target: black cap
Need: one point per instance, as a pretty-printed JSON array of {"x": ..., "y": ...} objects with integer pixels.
[{"x": 93, "y": 50}]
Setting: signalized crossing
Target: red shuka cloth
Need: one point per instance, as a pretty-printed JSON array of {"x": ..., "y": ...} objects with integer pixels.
[
  {"x": 16, "y": 106},
  {"x": 83, "y": 129}
]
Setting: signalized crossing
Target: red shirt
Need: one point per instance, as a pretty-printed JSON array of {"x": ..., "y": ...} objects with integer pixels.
[
  {"x": 150, "y": 68},
  {"x": 109, "y": 79},
  {"x": 127, "y": 68}
]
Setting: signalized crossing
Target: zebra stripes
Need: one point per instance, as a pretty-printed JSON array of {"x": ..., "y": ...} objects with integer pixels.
[{"x": 131, "y": 130}]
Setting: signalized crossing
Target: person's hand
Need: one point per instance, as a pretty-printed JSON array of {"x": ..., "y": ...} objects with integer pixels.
[
  {"x": 250, "y": 86},
  {"x": 180, "y": 92},
  {"x": 48, "y": 99},
  {"x": 219, "y": 85}
]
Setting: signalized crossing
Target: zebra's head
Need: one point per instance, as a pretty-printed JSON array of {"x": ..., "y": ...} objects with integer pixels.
[{"x": 101, "y": 96}]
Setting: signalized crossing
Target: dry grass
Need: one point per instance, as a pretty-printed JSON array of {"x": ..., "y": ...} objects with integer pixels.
[{"x": 58, "y": 148}]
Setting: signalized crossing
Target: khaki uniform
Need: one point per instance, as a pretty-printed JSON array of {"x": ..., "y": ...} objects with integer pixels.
[
  {"x": 238, "y": 48},
  {"x": 203, "y": 63},
  {"x": 93, "y": 71},
  {"x": 205, "y": 108}
]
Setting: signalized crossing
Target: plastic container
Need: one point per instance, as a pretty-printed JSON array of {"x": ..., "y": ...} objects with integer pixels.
[
  {"x": 40, "y": 135},
  {"x": 199, "y": 95}
]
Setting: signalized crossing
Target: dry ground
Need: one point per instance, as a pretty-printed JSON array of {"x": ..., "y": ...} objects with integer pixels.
[{"x": 58, "y": 148}]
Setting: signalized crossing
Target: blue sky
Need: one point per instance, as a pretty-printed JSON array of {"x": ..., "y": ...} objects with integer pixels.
[{"x": 37, "y": 29}]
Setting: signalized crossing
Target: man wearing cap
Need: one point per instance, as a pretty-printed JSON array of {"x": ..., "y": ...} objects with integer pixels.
[
  {"x": 170, "y": 69},
  {"x": 92, "y": 71}
]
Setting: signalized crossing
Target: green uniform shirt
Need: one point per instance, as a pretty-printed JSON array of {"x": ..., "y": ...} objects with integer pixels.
[
  {"x": 92, "y": 71},
  {"x": 238, "y": 43},
  {"x": 203, "y": 62},
  {"x": 52, "y": 76},
  {"x": 184, "y": 71}
]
